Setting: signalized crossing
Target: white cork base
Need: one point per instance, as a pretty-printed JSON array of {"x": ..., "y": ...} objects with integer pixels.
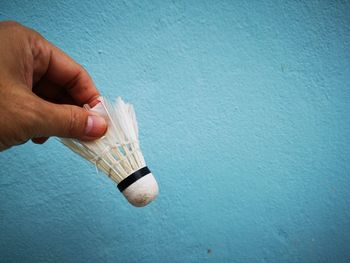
[{"x": 143, "y": 191}]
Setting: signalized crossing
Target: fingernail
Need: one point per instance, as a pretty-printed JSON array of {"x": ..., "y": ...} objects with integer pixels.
[{"x": 95, "y": 126}]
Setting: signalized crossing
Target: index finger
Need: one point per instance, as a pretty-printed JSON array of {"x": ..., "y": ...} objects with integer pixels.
[{"x": 65, "y": 72}]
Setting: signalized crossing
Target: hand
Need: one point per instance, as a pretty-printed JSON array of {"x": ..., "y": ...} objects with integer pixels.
[{"x": 41, "y": 89}]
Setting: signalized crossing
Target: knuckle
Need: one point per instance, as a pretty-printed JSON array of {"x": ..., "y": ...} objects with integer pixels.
[
  {"x": 75, "y": 123},
  {"x": 39, "y": 46},
  {"x": 36, "y": 37},
  {"x": 72, "y": 122}
]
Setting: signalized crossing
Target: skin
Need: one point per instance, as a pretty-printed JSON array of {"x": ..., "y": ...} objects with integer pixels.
[{"x": 42, "y": 91}]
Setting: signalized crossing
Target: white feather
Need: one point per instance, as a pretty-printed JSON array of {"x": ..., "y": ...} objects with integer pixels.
[{"x": 118, "y": 152}]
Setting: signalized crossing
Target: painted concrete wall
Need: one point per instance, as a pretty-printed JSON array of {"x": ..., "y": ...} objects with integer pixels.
[{"x": 244, "y": 111}]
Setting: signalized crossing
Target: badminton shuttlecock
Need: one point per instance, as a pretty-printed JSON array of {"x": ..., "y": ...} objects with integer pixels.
[{"x": 118, "y": 152}]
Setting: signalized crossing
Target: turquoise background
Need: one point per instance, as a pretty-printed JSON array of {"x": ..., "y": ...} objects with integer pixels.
[{"x": 244, "y": 115}]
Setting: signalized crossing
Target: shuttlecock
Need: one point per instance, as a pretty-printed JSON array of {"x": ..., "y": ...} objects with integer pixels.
[{"x": 118, "y": 152}]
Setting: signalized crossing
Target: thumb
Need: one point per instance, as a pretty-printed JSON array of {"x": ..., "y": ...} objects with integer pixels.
[{"x": 70, "y": 121}]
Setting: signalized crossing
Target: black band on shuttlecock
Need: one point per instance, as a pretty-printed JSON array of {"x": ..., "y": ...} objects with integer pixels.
[{"x": 132, "y": 178}]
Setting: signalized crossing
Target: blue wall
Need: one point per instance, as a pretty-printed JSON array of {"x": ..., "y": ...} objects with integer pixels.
[{"x": 244, "y": 111}]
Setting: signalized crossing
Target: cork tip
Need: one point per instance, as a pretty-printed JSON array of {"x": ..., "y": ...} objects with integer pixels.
[{"x": 143, "y": 191}]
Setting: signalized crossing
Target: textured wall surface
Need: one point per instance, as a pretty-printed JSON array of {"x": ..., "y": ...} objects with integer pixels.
[{"x": 244, "y": 112}]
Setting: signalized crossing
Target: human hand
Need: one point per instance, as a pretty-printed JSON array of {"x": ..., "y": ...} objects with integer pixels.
[{"x": 41, "y": 91}]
